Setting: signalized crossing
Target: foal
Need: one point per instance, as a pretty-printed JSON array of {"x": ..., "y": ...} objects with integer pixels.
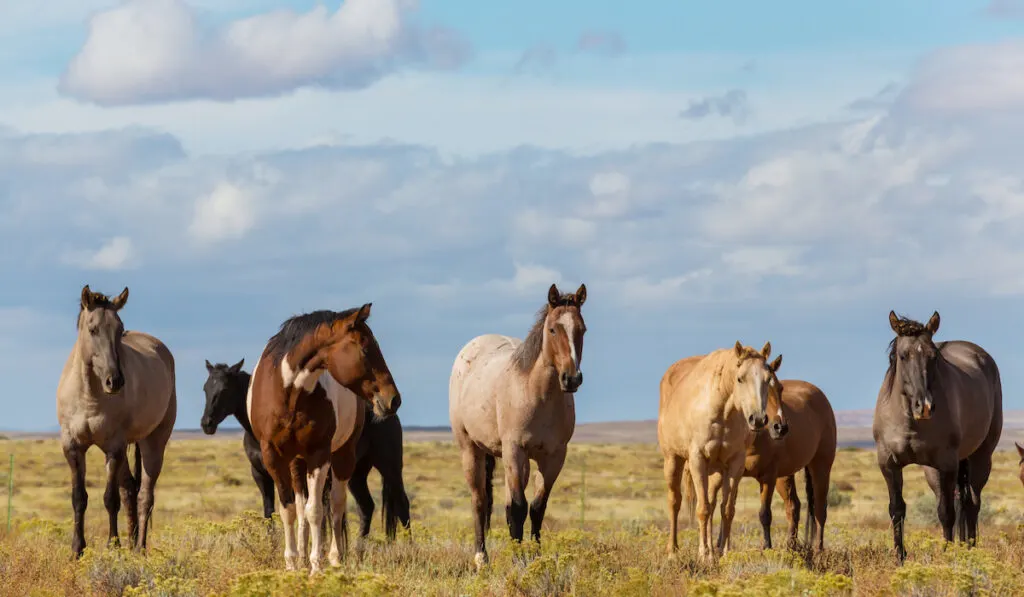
[
  {"x": 514, "y": 399},
  {"x": 306, "y": 404},
  {"x": 380, "y": 447},
  {"x": 117, "y": 388}
]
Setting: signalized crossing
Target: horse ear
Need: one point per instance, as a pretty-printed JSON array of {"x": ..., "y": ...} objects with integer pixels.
[
  {"x": 581, "y": 295},
  {"x": 87, "y": 302},
  {"x": 739, "y": 350},
  {"x": 237, "y": 366},
  {"x": 766, "y": 350},
  {"x": 121, "y": 299},
  {"x": 776, "y": 364},
  {"x": 553, "y": 296},
  {"x": 933, "y": 323},
  {"x": 209, "y": 367},
  {"x": 894, "y": 321},
  {"x": 363, "y": 313}
]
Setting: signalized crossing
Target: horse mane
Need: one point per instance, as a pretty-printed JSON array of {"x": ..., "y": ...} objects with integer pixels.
[
  {"x": 717, "y": 363},
  {"x": 527, "y": 353},
  {"x": 295, "y": 328}
]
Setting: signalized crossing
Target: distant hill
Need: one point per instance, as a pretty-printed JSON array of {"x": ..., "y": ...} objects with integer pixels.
[{"x": 854, "y": 431}]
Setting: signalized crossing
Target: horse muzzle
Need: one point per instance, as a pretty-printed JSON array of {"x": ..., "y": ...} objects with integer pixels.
[
  {"x": 385, "y": 408},
  {"x": 209, "y": 427},
  {"x": 778, "y": 429},
  {"x": 922, "y": 410},
  {"x": 757, "y": 422},
  {"x": 570, "y": 383},
  {"x": 113, "y": 383}
]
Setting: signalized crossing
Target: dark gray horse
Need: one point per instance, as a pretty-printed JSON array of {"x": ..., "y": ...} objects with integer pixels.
[
  {"x": 380, "y": 447},
  {"x": 941, "y": 407}
]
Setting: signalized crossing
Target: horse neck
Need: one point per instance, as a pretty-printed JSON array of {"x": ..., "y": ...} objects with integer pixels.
[
  {"x": 723, "y": 402},
  {"x": 542, "y": 377},
  {"x": 82, "y": 370},
  {"x": 240, "y": 410}
]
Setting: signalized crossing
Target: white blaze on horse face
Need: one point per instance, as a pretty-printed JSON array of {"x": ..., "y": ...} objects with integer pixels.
[{"x": 569, "y": 325}]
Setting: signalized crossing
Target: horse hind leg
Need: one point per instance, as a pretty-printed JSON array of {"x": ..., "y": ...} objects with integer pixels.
[
  {"x": 361, "y": 493},
  {"x": 116, "y": 463},
  {"x": 489, "y": 463},
  {"x": 786, "y": 488},
  {"x": 980, "y": 469},
  {"x": 343, "y": 464},
  {"x": 152, "y": 451},
  {"x": 962, "y": 499},
  {"x": 673, "y": 478},
  {"x": 473, "y": 464},
  {"x": 818, "y": 477},
  {"x": 765, "y": 515}
]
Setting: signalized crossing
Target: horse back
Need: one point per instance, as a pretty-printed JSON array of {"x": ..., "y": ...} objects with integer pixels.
[{"x": 480, "y": 377}]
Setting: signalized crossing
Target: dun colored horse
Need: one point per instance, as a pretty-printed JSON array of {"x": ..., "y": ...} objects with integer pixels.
[
  {"x": 306, "y": 407},
  {"x": 708, "y": 413},
  {"x": 117, "y": 388},
  {"x": 940, "y": 406},
  {"x": 514, "y": 399},
  {"x": 802, "y": 436}
]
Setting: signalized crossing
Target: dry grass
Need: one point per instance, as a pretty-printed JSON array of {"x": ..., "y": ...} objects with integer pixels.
[{"x": 207, "y": 538}]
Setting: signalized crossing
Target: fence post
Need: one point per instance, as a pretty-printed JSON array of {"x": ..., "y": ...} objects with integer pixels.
[{"x": 10, "y": 492}]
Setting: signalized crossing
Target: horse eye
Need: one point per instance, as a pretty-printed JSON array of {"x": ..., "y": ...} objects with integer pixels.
[{"x": 552, "y": 330}]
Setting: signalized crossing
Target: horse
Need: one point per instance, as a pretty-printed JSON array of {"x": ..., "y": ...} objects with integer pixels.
[
  {"x": 117, "y": 388},
  {"x": 225, "y": 390},
  {"x": 306, "y": 404},
  {"x": 1020, "y": 452},
  {"x": 802, "y": 436},
  {"x": 940, "y": 406},
  {"x": 708, "y": 412},
  {"x": 380, "y": 447},
  {"x": 515, "y": 399}
]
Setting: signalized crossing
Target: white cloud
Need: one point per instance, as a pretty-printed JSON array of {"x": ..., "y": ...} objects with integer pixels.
[
  {"x": 116, "y": 254},
  {"x": 145, "y": 51},
  {"x": 969, "y": 80},
  {"x": 224, "y": 214}
]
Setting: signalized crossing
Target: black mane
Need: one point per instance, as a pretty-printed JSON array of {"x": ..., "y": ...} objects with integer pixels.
[{"x": 294, "y": 329}]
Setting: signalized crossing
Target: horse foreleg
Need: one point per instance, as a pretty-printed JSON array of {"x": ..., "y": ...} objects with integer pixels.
[
  {"x": 765, "y": 516},
  {"x": 343, "y": 464},
  {"x": 673, "y": 478},
  {"x": 116, "y": 462},
  {"x": 548, "y": 469},
  {"x": 893, "y": 474},
  {"x": 314, "y": 513},
  {"x": 265, "y": 483},
  {"x": 361, "y": 493},
  {"x": 980, "y": 467},
  {"x": 699, "y": 474},
  {"x": 730, "y": 492},
  {"x": 298, "y": 472},
  {"x": 75, "y": 455},
  {"x": 473, "y": 468},
  {"x": 517, "y": 473},
  {"x": 786, "y": 488},
  {"x": 280, "y": 471},
  {"x": 129, "y": 486}
]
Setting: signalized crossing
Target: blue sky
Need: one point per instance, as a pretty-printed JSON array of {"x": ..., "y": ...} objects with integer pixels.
[{"x": 713, "y": 172}]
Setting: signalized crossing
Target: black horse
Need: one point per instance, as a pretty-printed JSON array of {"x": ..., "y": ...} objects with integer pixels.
[{"x": 380, "y": 447}]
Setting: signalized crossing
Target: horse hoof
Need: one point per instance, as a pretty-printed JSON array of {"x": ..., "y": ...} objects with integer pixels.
[{"x": 480, "y": 559}]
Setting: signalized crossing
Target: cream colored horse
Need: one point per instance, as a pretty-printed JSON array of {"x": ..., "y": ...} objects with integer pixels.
[
  {"x": 513, "y": 399},
  {"x": 117, "y": 388},
  {"x": 707, "y": 416}
]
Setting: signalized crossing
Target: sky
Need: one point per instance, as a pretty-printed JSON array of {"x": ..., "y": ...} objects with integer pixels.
[{"x": 785, "y": 172}]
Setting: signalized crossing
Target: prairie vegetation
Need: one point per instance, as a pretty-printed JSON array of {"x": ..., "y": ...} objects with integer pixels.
[{"x": 604, "y": 534}]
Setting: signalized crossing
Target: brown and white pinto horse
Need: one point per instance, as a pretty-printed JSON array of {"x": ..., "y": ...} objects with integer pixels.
[
  {"x": 513, "y": 399},
  {"x": 305, "y": 410}
]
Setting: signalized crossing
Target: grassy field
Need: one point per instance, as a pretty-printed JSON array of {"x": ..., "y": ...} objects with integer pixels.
[{"x": 605, "y": 535}]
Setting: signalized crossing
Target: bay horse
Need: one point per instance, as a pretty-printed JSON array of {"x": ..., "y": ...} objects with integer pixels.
[
  {"x": 514, "y": 399},
  {"x": 708, "y": 412},
  {"x": 117, "y": 388},
  {"x": 941, "y": 407},
  {"x": 380, "y": 447},
  {"x": 802, "y": 436},
  {"x": 306, "y": 404}
]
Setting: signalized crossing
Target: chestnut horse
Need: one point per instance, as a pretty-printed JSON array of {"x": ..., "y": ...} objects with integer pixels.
[
  {"x": 306, "y": 408},
  {"x": 802, "y": 437},
  {"x": 941, "y": 407},
  {"x": 117, "y": 388},
  {"x": 708, "y": 413},
  {"x": 514, "y": 399}
]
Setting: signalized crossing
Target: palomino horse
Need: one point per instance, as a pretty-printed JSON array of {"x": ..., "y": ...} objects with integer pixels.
[
  {"x": 117, "y": 388},
  {"x": 940, "y": 406},
  {"x": 514, "y": 399},
  {"x": 226, "y": 388},
  {"x": 380, "y": 447},
  {"x": 708, "y": 413},
  {"x": 305, "y": 409},
  {"x": 807, "y": 442}
]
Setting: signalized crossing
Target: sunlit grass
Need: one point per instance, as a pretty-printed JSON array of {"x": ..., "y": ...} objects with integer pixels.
[{"x": 207, "y": 538}]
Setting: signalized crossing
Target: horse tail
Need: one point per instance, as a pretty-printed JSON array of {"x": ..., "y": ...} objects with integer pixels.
[
  {"x": 388, "y": 514},
  {"x": 811, "y": 521},
  {"x": 961, "y": 497},
  {"x": 690, "y": 494},
  {"x": 489, "y": 486}
]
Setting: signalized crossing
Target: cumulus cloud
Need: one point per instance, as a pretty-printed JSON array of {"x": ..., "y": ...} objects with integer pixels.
[
  {"x": 146, "y": 51},
  {"x": 116, "y": 254},
  {"x": 731, "y": 104},
  {"x": 224, "y": 214}
]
